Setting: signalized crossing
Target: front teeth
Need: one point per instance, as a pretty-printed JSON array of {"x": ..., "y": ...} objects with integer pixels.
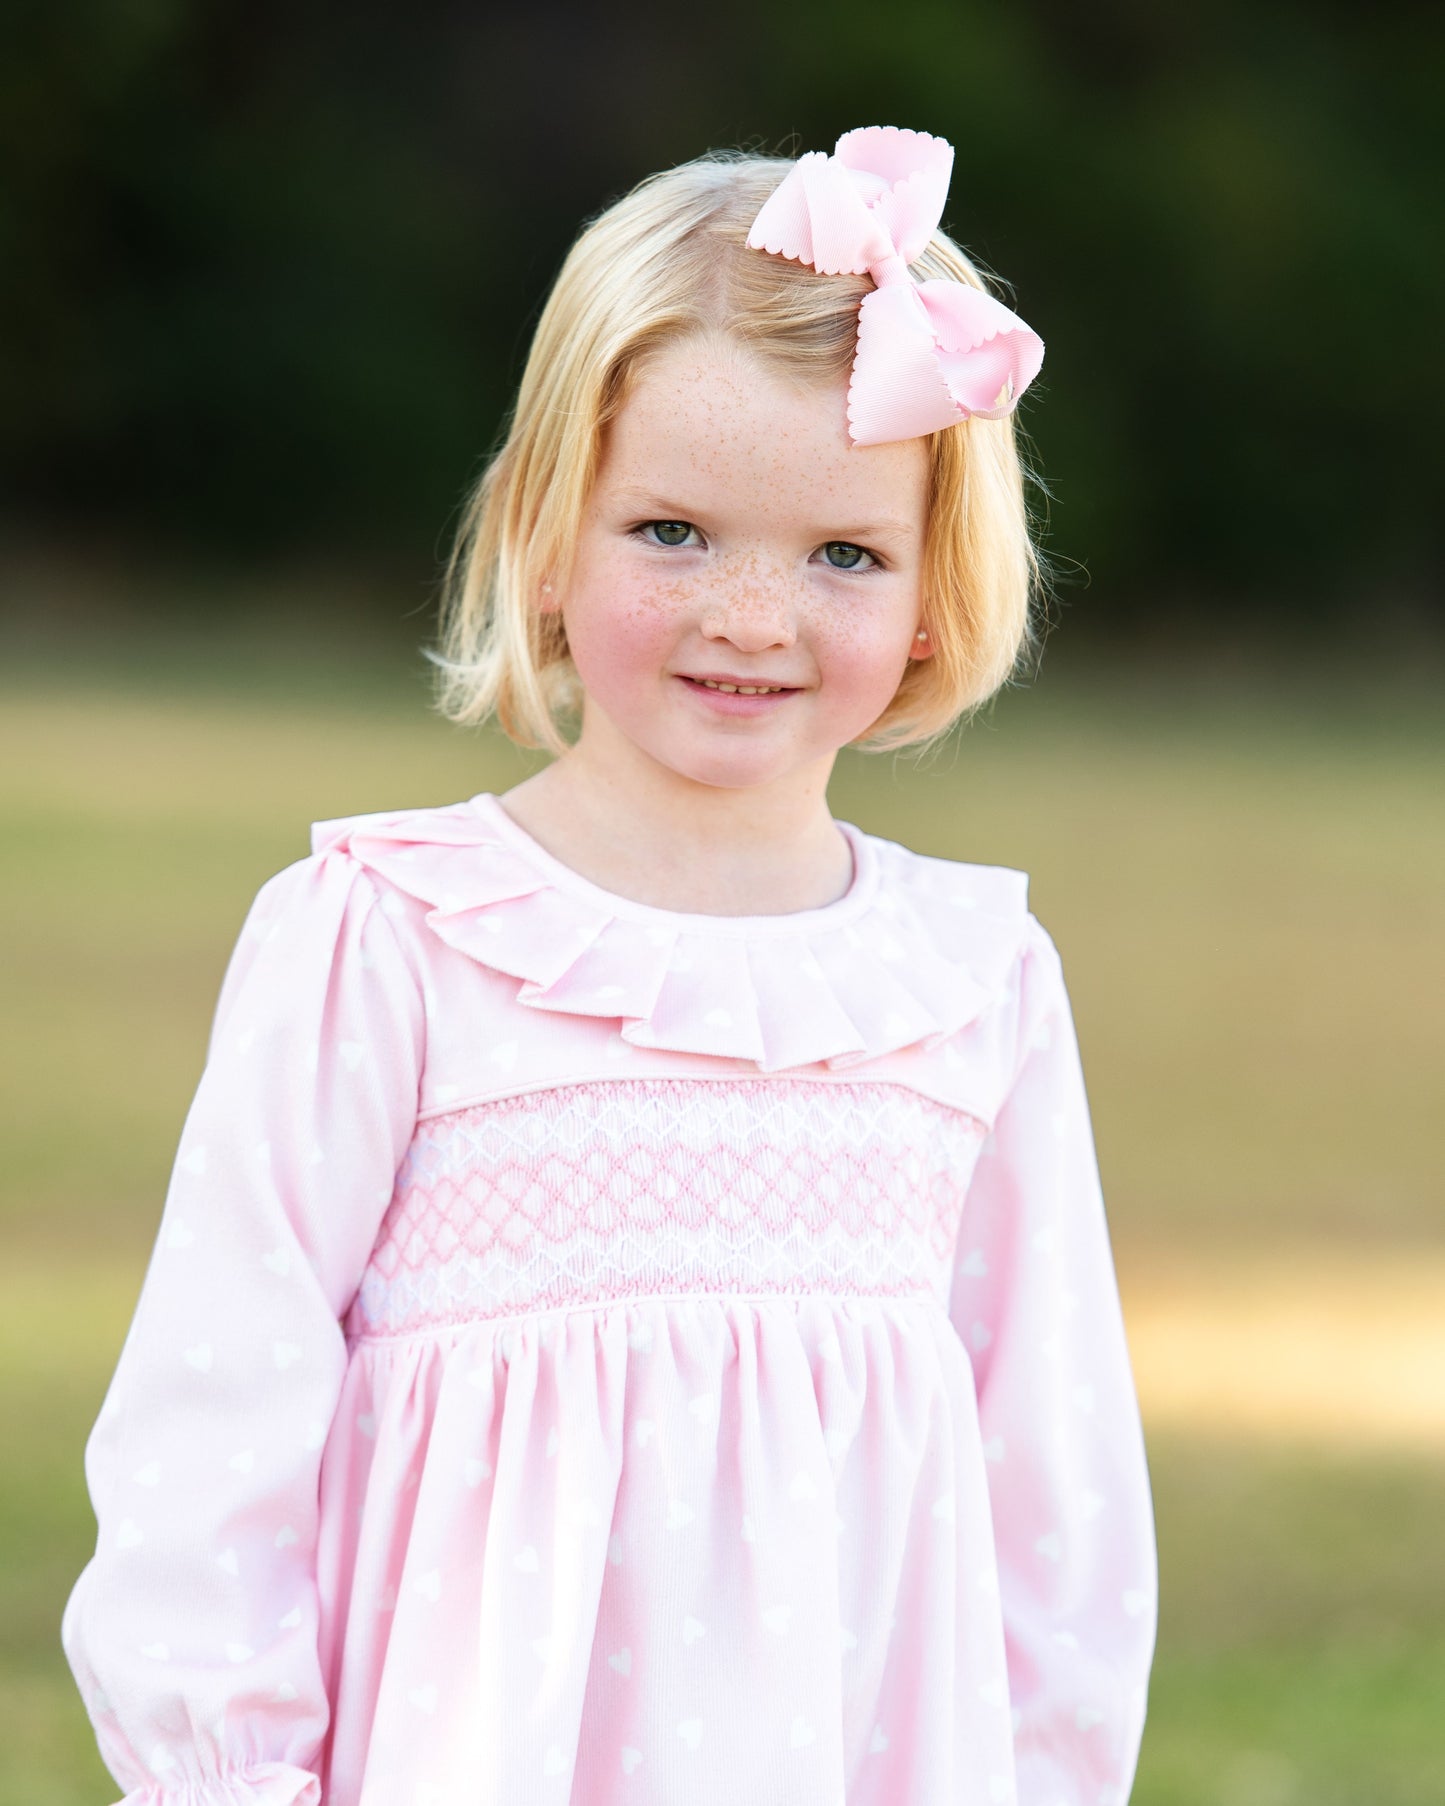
[{"x": 741, "y": 689}]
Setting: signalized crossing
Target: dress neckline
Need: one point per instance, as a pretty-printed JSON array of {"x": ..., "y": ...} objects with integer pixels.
[
  {"x": 566, "y": 878},
  {"x": 914, "y": 948}
]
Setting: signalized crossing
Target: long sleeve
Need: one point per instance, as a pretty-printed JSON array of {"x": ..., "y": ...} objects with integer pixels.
[
  {"x": 192, "y": 1633},
  {"x": 1035, "y": 1301}
]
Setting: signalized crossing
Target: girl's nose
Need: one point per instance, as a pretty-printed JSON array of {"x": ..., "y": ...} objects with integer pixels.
[{"x": 754, "y": 618}]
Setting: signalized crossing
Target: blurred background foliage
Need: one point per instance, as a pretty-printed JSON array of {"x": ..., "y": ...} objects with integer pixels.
[{"x": 273, "y": 267}]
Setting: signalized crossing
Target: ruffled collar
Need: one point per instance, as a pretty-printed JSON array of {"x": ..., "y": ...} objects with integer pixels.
[{"x": 915, "y": 949}]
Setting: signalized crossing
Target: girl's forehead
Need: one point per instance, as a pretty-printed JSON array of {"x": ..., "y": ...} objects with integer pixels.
[{"x": 711, "y": 412}]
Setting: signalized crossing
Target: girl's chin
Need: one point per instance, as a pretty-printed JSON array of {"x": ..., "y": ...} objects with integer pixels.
[{"x": 736, "y": 767}]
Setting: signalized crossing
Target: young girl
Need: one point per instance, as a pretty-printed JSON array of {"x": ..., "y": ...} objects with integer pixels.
[{"x": 633, "y": 1318}]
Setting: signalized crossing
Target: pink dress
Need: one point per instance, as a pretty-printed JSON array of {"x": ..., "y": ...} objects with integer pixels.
[{"x": 605, "y": 1356}]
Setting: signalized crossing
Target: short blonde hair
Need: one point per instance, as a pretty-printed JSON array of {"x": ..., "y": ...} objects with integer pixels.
[{"x": 667, "y": 261}]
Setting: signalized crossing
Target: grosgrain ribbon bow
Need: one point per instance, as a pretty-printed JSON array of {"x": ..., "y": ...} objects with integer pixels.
[{"x": 929, "y": 353}]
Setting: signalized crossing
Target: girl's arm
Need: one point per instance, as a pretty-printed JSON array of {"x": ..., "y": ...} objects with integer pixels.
[
  {"x": 193, "y": 1631},
  {"x": 1035, "y": 1301}
]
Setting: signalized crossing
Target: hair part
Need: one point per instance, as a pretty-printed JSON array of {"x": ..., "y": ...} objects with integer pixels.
[{"x": 666, "y": 262}]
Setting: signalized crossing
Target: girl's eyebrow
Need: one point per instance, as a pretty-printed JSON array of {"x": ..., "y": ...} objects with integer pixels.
[
  {"x": 886, "y": 529},
  {"x": 659, "y": 507},
  {"x": 655, "y": 506}
]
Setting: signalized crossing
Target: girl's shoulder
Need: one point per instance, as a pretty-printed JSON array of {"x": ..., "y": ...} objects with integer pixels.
[
  {"x": 960, "y": 886},
  {"x": 978, "y": 916},
  {"x": 352, "y": 903}
]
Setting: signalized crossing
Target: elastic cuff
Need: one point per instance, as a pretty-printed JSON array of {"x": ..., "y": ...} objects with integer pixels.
[{"x": 260, "y": 1784}]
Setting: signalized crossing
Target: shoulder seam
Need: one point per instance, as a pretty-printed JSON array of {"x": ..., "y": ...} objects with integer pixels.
[{"x": 365, "y": 878}]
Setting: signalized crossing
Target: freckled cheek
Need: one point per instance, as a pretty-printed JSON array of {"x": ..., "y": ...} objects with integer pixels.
[
  {"x": 624, "y": 627},
  {"x": 860, "y": 659}
]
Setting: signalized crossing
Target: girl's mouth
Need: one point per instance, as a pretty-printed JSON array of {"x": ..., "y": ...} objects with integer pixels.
[{"x": 736, "y": 696}]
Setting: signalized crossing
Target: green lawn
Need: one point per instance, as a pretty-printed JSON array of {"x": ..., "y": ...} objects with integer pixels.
[{"x": 1248, "y": 886}]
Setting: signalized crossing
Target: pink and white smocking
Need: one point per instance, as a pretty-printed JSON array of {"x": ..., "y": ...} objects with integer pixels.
[{"x": 598, "y": 1355}]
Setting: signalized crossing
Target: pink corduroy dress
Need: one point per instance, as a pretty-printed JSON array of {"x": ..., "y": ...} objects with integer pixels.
[{"x": 598, "y": 1355}]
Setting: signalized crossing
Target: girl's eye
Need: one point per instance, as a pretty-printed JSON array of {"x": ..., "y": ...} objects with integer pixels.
[
  {"x": 669, "y": 532},
  {"x": 843, "y": 555}
]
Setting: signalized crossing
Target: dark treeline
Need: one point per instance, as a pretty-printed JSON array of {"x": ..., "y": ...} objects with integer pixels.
[{"x": 270, "y": 269}]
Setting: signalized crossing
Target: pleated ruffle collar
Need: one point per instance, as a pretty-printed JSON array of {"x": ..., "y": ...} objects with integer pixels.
[{"x": 914, "y": 950}]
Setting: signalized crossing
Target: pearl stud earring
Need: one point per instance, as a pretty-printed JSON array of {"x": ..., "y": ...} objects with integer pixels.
[{"x": 922, "y": 634}]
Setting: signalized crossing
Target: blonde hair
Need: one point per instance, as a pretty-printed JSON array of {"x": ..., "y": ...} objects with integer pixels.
[{"x": 667, "y": 261}]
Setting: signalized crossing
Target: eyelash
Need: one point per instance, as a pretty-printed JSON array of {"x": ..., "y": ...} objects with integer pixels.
[{"x": 642, "y": 531}]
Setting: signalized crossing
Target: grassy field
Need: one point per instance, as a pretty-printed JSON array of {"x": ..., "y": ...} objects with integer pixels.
[{"x": 1247, "y": 882}]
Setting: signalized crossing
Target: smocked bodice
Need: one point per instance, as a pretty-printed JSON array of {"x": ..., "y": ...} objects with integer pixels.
[{"x": 581, "y": 1194}]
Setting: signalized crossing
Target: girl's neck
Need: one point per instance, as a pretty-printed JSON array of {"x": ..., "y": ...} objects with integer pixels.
[{"x": 692, "y": 848}]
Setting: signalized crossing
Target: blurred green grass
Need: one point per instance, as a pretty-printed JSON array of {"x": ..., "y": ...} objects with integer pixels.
[{"x": 1247, "y": 881}]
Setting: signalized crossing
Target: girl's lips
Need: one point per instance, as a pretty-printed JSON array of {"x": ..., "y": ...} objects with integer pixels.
[{"x": 731, "y": 702}]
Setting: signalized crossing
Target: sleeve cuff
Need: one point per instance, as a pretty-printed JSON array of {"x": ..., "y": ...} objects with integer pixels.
[{"x": 261, "y": 1784}]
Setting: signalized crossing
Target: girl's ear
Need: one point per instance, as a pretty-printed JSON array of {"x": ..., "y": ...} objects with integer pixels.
[
  {"x": 922, "y": 646},
  {"x": 547, "y": 600}
]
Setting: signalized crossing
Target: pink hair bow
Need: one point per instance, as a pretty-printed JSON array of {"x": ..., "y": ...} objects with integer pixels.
[{"x": 929, "y": 353}]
